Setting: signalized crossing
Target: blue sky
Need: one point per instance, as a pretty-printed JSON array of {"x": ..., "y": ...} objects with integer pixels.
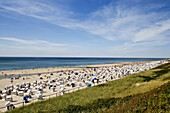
[{"x": 87, "y": 28}]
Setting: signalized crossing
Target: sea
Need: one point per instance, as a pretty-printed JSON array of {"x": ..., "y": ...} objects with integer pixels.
[{"x": 16, "y": 63}]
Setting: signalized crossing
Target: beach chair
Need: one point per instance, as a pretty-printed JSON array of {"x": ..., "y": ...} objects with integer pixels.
[
  {"x": 61, "y": 86},
  {"x": 3, "y": 97},
  {"x": 73, "y": 84},
  {"x": 30, "y": 92},
  {"x": 11, "y": 86},
  {"x": 39, "y": 82},
  {"x": 20, "y": 93},
  {"x": 53, "y": 89},
  {"x": 80, "y": 84},
  {"x": 8, "y": 98},
  {"x": 95, "y": 82},
  {"x": 4, "y": 92},
  {"x": 14, "y": 92},
  {"x": 61, "y": 91},
  {"x": 26, "y": 94},
  {"x": 39, "y": 96},
  {"x": 24, "y": 99},
  {"x": 58, "y": 83}
]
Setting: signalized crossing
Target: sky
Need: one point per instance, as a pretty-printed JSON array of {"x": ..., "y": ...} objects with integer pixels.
[{"x": 85, "y": 28}]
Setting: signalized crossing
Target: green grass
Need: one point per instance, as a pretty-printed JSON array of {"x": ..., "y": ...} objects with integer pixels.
[{"x": 116, "y": 96}]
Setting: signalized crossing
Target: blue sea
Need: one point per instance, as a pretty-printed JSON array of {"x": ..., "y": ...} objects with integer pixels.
[{"x": 15, "y": 63}]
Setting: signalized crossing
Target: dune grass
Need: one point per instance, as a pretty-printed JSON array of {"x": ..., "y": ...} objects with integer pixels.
[{"x": 115, "y": 96}]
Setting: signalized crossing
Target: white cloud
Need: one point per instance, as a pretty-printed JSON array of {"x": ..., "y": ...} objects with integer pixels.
[
  {"x": 24, "y": 50},
  {"x": 19, "y": 47},
  {"x": 152, "y": 32},
  {"x": 40, "y": 10},
  {"x": 32, "y": 42},
  {"x": 113, "y": 22}
]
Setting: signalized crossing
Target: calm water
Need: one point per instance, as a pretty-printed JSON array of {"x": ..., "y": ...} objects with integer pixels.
[{"x": 11, "y": 63}]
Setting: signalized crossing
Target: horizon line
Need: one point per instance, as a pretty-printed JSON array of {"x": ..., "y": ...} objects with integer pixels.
[{"x": 88, "y": 56}]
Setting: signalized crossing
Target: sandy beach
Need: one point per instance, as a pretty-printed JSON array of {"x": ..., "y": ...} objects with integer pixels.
[
  {"x": 33, "y": 71},
  {"x": 55, "y": 69},
  {"x": 57, "y": 73},
  {"x": 47, "y": 71},
  {"x": 24, "y": 79}
]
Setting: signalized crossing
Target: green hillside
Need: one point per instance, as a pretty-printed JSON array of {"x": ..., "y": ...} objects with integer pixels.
[{"x": 147, "y": 91}]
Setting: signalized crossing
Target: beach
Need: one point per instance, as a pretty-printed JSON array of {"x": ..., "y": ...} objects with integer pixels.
[
  {"x": 61, "y": 74},
  {"x": 55, "y": 69},
  {"x": 45, "y": 71},
  {"x": 24, "y": 79}
]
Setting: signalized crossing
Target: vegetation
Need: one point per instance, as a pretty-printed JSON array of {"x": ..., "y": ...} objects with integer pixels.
[{"x": 147, "y": 91}]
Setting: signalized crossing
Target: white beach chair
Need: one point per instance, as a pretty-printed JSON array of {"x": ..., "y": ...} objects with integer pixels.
[
  {"x": 80, "y": 84},
  {"x": 53, "y": 89},
  {"x": 11, "y": 86},
  {"x": 14, "y": 92},
  {"x": 39, "y": 96},
  {"x": 30, "y": 91},
  {"x": 20, "y": 93},
  {"x": 8, "y": 98},
  {"x": 61, "y": 86},
  {"x": 61, "y": 91},
  {"x": 95, "y": 82},
  {"x": 3, "y": 97}
]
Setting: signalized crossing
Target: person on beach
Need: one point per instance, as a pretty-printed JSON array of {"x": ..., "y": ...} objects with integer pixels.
[{"x": 11, "y": 79}]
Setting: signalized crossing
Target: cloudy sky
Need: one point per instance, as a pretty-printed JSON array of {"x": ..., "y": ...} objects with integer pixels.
[{"x": 107, "y": 28}]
